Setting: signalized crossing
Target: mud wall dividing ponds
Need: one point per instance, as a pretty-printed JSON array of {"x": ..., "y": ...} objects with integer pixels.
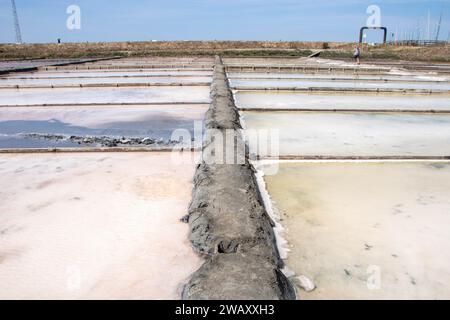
[{"x": 229, "y": 224}]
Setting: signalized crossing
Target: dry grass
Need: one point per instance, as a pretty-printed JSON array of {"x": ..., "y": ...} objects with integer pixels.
[
  {"x": 78, "y": 50},
  {"x": 226, "y": 48}
]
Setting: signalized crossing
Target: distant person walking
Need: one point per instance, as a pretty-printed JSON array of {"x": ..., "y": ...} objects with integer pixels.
[{"x": 357, "y": 54}]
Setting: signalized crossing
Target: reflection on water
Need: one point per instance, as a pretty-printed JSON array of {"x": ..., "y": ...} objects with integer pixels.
[
  {"x": 356, "y": 134},
  {"x": 152, "y": 122},
  {"x": 103, "y": 80},
  {"x": 319, "y": 76},
  {"x": 104, "y": 95},
  {"x": 107, "y": 73},
  {"x": 354, "y": 224},
  {"x": 338, "y": 84},
  {"x": 293, "y": 100}
]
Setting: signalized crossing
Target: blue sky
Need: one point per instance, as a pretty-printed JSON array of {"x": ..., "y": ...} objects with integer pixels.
[{"x": 143, "y": 20}]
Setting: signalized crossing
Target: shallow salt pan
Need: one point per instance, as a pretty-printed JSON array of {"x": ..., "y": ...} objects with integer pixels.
[
  {"x": 291, "y": 100},
  {"x": 366, "y": 230},
  {"x": 35, "y": 63},
  {"x": 355, "y": 134},
  {"x": 145, "y": 66},
  {"x": 143, "y": 62},
  {"x": 152, "y": 62},
  {"x": 107, "y": 80},
  {"x": 107, "y": 73},
  {"x": 94, "y": 226},
  {"x": 104, "y": 95},
  {"x": 284, "y": 76},
  {"x": 157, "y": 122},
  {"x": 337, "y": 84}
]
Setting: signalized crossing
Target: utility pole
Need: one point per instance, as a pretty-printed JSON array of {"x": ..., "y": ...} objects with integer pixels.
[
  {"x": 16, "y": 23},
  {"x": 429, "y": 30}
]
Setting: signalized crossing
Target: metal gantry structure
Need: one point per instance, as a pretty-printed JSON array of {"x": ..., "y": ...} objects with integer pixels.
[{"x": 16, "y": 22}]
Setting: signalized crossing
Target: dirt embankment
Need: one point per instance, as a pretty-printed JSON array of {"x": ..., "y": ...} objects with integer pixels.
[
  {"x": 228, "y": 221},
  {"x": 103, "y": 49},
  {"x": 436, "y": 53},
  {"x": 224, "y": 48},
  {"x": 338, "y": 50}
]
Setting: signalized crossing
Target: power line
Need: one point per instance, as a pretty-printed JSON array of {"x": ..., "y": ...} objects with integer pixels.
[{"x": 16, "y": 23}]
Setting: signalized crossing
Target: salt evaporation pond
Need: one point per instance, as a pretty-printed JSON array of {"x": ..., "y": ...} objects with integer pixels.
[
  {"x": 154, "y": 62},
  {"x": 337, "y": 77},
  {"x": 297, "y": 100},
  {"x": 94, "y": 226},
  {"x": 355, "y": 134},
  {"x": 110, "y": 73},
  {"x": 366, "y": 230},
  {"x": 127, "y": 95},
  {"x": 35, "y": 63},
  {"x": 156, "y": 122},
  {"x": 260, "y": 83},
  {"x": 6, "y": 82}
]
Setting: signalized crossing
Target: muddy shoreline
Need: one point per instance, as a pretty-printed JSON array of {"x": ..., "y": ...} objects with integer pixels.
[{"x": 103, "y": 141}]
